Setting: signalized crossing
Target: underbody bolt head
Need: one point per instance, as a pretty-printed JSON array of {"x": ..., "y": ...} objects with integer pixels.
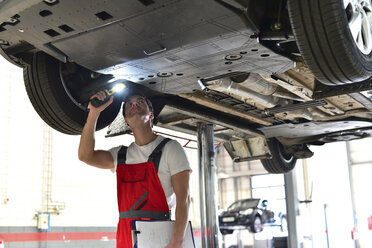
[
  {"x": 233, "y": 57},
  {"x": 165, "y": 74}
]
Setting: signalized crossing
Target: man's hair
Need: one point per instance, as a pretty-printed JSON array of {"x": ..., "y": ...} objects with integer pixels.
[{"x": 126, "y": 98}]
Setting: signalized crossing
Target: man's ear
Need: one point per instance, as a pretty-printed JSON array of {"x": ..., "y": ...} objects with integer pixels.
[{"x": 152, "y": 117}]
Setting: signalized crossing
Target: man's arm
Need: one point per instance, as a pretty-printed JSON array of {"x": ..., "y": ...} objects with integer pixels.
[
  {"x": 101, "y": 159},
  {"x": 180, "y": 183}
]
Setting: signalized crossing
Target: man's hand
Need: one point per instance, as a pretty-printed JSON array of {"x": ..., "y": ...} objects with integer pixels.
[
  {"x": 101, "y": 95},
  {"x": 87, "y": 153}
]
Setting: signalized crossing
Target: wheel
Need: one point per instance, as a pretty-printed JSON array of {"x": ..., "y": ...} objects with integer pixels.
[
  {"x": 334, "y": 38},
  {"x": 256, "y": 226},
  {"x": 226, "y": 231},
  {"x": 281, "y": 161},
  {"x": 53, "y": 100},
  {"x": 280, "y": 242}
]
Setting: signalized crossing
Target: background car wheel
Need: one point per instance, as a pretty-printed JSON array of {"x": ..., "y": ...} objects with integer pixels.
[
  {"x": 280, "y": 242},
  {"x": 54, "y": 102},
  {"x": 283, "y": 223},
  {"x": 281, "y": 161},
  {"x": 225, "y": 231},
  {"x": 256, "y": 226},
  {"x": 334, "y": 38}
]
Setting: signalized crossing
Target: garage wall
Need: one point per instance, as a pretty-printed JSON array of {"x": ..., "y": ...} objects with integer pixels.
[
  {"x": 233, "y": 185},
  {"x": 361, "y": 169},
  {"x": 331, "y": 204},
  {"x": 20, "y": 164},
  {"x": 40, "y": 172}
]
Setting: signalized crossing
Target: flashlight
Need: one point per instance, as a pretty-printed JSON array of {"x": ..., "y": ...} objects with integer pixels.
[{"x": 109, "y": 92}]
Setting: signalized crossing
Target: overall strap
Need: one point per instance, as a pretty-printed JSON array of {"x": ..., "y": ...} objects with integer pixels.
[
  {"x": 122, "y": 155},
  {"x": 156, "y": 153}
]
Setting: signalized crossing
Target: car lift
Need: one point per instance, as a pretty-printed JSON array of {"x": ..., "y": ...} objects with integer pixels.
[
  {"x": 207, "y": 185},
  {"x": 209, "y": 192}
]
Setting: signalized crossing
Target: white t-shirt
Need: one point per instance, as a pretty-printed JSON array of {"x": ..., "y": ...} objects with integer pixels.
[{"x": 173, "y": 160}]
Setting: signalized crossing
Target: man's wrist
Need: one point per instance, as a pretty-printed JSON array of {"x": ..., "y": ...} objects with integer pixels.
[{"x": 94, "y": 113}]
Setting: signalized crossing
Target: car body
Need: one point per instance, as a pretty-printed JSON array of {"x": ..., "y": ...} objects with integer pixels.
[
  {"x": 274, "y": 77},
  {"x": 249, "y": 214}
]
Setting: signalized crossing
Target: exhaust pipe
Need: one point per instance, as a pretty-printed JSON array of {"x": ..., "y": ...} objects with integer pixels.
[
  {"x": 238, "y": 89},
  {"x": 253, "y": 87}
]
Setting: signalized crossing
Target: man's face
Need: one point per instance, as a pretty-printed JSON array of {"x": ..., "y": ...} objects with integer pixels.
[{"x": 136, "y": 106}]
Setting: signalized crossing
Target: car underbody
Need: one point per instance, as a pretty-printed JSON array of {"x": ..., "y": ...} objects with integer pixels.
[{"x": 240, "y": 65}]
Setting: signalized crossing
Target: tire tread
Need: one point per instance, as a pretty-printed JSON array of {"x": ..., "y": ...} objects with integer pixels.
[
  {"x": 49, "y": 99},
  {"x": 326, "y": 44}
]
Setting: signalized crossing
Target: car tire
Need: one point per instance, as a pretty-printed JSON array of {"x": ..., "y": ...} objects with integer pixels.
[
  {"x": 280, "y": 242},
  {"x": 281, "y": 161},
  {"x": 53, "y": 101},
  {"x": 325, "y": 41},
  {"x": 225, "y": 231},
  {"x": 256, "y": 225}
]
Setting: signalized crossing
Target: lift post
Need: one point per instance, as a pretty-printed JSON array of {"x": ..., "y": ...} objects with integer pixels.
[
  {"x": 207, "y": 186},
  {"x": 292, "y": 205}
]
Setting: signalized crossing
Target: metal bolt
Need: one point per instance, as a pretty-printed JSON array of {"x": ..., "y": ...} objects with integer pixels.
[
  {"x": 233, "y": 57},
  {"x": 12, "y": 20},
  {"x": 165, "y": 74}
]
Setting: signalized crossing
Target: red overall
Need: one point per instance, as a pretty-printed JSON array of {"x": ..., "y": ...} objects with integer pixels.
[{"x": 140, "y": 196}]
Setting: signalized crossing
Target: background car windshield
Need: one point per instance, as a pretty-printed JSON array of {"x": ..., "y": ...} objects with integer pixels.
[{"x": 244, "y": 204}]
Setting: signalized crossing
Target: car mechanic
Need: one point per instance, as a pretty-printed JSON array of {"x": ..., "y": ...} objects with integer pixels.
[{"x": 144, "y": 191}]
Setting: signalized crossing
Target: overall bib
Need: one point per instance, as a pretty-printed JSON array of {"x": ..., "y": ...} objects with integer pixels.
[{"x": 140, "y": 194}]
